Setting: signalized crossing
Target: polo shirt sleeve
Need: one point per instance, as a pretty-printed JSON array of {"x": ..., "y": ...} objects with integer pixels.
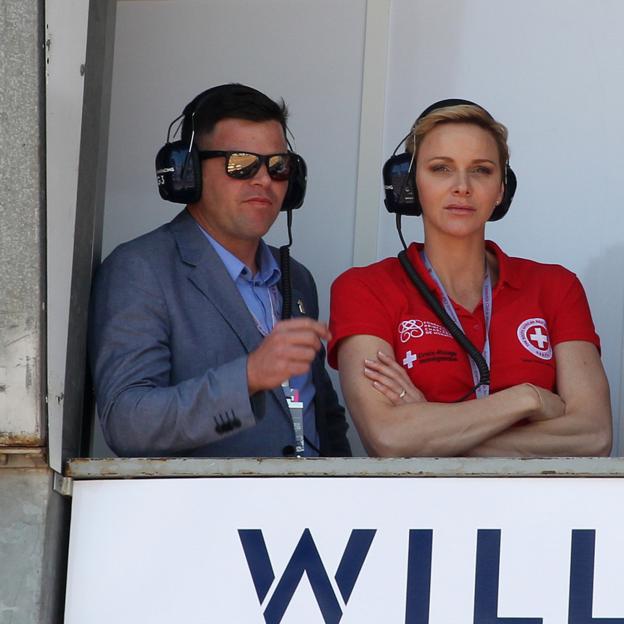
[
  {"x": 359, "y": 305},
  {"x": 572, "y": 317}
]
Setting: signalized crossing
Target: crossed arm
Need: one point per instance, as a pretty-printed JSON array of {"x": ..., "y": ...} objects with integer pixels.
[{"x": 523, "y": 421}]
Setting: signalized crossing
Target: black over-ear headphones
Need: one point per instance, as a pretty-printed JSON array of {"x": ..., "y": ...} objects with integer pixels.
[
  {"x": 178, "y": 165},
  {"x": 399, "y": 175}
]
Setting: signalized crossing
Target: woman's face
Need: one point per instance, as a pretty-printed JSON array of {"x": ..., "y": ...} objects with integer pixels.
[{"x": 459, "y": 178}]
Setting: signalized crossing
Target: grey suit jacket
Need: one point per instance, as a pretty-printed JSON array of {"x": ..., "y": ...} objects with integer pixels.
[{"x": 169, "y": 336}]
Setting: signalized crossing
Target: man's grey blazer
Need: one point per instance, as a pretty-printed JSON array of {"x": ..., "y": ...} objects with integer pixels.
[{"x": 169, "y": 336}]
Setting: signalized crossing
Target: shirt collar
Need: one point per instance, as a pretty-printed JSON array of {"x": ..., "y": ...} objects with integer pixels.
[
  {"x": 268, "y": 274},
  {"x": 505, "y": 273}
]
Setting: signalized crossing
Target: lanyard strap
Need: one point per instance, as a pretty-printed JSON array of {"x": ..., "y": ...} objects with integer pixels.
[
  {"x": 295, "y": 406},
  {"x": 482, "y": 390},
  {"x": 265, "y": 330}
]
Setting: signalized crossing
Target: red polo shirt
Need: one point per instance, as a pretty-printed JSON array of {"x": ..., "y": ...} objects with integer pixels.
[{"x": 534, "y": 307}]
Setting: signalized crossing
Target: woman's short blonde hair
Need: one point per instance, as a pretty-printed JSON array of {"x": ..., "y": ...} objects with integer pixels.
[{"x": 461, "y": 113}]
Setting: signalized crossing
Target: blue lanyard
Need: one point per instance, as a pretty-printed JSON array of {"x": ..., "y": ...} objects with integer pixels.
[{"x": 484, "y": 390}]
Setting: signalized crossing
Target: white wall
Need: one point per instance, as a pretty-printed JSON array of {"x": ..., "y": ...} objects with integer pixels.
[{"x": 552, "y": 71}]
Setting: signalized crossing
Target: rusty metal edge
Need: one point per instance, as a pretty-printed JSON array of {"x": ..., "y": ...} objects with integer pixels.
[
  {"x": 23, "y": 439},
  {"x": 23, "y": 458},
  {"x": 145, "y": 468}
]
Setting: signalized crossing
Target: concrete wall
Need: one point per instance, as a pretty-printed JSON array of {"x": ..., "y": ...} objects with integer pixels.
[
  {"x": 34, "y": 526},
  {"x": 22, "y": 177},
  {"x": 33, "y": 517}
]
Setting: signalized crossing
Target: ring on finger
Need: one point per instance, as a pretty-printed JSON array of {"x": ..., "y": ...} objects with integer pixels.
[{"x": 403, "y": 393}]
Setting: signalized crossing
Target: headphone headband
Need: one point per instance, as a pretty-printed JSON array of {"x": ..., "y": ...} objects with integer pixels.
[{"x": 448, "y": 103}]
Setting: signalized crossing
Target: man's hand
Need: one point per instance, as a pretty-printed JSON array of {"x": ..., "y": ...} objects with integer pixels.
[{"x": 287, "y": 351}]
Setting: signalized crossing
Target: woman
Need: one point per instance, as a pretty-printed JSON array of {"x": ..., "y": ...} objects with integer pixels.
[{"x": 404, "y": 376}]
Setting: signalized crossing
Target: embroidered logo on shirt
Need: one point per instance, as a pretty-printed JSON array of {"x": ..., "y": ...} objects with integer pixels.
[
  {"x": 427, "y": 357},
  {"x": 409, "y": 359},
  {"x": 415, "y": 328},
  {"x": 533, "y": 336}
]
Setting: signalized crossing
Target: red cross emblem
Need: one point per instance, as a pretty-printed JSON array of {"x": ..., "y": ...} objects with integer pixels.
[{"x": 533, "y": 336}]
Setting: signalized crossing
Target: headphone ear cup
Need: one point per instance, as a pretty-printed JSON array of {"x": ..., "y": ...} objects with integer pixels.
[
  {"x": 178, "y": 173},
  {"x": 511, "y": 183},
  {"x": 399, "y": 179},
  {"x": 297, "y": 183}
]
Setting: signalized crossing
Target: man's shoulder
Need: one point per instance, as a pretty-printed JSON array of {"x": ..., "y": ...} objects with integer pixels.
[
  {"x": 155, "y": 244},
  {"x": 161, "y": 236}
]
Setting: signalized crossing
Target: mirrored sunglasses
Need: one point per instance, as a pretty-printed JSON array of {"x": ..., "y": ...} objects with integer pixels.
[{"x": 245, "y": 165}]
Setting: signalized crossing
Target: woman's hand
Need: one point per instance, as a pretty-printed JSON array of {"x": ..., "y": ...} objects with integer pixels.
[
  {"x": 548, "y": 405},
  {"x": 391, "y": 380}
]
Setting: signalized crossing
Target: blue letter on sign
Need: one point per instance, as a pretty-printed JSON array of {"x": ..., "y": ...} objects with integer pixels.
[
  {"x": 582, "y": 580},
  {"x": 486, "y": 581},
  {"x": 418, "y": 576},
  {"x": 306, "y": 559}
]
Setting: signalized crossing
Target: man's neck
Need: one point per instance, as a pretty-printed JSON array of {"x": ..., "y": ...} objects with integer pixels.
[{"x": 245, "y": 250}]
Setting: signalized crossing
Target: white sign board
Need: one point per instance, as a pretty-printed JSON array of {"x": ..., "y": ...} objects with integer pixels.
[{"x": 349, "y": 550}]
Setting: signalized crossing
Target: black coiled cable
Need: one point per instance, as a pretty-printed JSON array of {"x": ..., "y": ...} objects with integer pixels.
[
  {"x": 448, "y": 322},
  {"x": 286, "y": 285},
  {"x": 286, "y": 288}
]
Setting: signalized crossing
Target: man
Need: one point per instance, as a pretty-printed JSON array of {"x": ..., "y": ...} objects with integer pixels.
[{"x": 187, "y": 350}]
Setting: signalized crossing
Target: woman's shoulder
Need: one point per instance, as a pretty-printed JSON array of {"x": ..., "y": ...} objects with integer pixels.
[
  {"x": 370, "y": 274},
  {"x": 521, "y": 271}
]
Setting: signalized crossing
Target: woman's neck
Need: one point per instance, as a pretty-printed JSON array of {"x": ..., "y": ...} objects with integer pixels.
[{"x": 460, "y": 265}]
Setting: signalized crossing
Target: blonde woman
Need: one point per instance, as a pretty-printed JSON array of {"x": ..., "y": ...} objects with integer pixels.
[{"x": 412, "y": 390}]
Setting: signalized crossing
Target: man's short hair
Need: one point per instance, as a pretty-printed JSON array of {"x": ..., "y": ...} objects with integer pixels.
[{"x": 230, "y": 101}]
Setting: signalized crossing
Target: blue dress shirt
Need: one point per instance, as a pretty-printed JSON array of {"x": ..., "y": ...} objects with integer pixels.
[{"x": 264, "y": 302}]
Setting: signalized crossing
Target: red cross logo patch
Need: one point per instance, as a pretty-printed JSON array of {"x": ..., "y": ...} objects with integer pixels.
[{"x": 533, "y": 336}]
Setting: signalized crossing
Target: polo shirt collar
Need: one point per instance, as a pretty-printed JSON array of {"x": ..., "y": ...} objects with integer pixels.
[{"x": 505, "y": 273}]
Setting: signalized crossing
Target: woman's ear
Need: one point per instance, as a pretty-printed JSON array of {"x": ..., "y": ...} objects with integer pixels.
[{"x": 499, "y": 199}]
